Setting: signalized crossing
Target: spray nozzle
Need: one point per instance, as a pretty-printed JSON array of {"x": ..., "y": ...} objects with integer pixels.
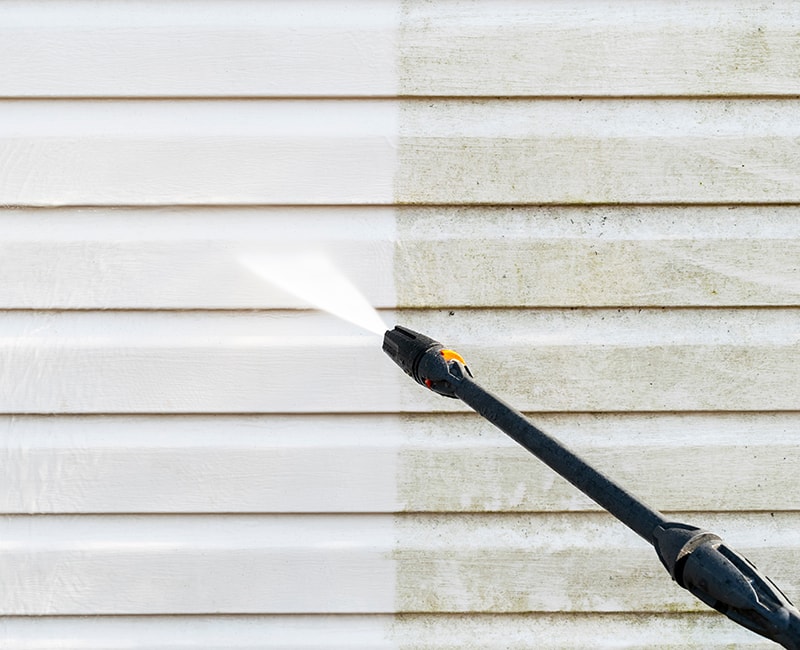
[{"x": 425, "y": 360}]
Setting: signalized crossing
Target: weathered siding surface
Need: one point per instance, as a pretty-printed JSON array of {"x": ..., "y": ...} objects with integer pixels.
[{"x": 597, "y": 203}]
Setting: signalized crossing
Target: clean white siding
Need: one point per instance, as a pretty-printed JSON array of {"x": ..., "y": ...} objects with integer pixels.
[{"x": 596, "y": 202}]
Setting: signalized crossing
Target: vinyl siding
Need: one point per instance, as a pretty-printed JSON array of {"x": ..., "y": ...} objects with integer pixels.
[{"x": 595, "y": 202}]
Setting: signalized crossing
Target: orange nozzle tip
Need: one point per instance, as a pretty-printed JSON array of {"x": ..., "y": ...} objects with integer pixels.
[{"x": 449, "y": 355}]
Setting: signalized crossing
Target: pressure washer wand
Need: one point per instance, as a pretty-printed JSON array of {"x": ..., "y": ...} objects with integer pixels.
[{"x": 697, "y": 560}]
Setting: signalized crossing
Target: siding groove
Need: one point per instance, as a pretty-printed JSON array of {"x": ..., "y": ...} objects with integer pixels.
[{"x": 700, "y": 631}]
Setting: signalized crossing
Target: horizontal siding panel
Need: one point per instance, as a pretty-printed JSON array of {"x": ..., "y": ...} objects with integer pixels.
[
  {"x": 550, "y": 47},
  {"x": 197, "y": 258},
  {"x": 197, "y": 152},
  {"x": 572, "y": 151},
  {"x": 379, "y": 152},
  {"x": 242, "y": 48},
  {"x": 194, "y": 258},
  {"x": 387, "y": 463},
  {"x": 287, "y": 362},
  {"x": 454, "y": 47},
  {"x": 693, "y": 631},
  {"x": 358, "y": 564},
  {"x": 602, "y": 256}
]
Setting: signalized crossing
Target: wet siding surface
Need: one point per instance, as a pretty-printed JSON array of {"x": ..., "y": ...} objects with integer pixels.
[{"x": 597, "y": 204}]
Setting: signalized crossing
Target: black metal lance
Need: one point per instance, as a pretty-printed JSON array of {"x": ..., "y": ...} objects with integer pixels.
[{"x": 697, "y": 560}]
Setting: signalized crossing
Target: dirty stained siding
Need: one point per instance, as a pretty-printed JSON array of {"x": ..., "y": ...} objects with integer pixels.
[{"x": 596, "y": 202}]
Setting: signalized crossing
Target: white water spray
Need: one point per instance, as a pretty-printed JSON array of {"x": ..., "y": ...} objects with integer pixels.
[{"x": 315, "y": 280}]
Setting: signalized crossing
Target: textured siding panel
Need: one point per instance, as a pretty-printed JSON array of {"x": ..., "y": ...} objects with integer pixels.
[
  {"x": 387, "y": 463},
  {"x": 295, "y": 362},
  {"x": 280, "y": 48},
  {"x": 191, "y": 258},
  {"x": 552, "y": 48},
  {"x": 386, "y": 47},
  {"x": 134, "y": 152},
  {"x": 357, "y": 564},
  {"x": 599, "y": 151}
]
